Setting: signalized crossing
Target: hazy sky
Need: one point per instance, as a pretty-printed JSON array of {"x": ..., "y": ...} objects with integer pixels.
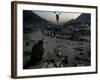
[{"x": 51, "y": 16}]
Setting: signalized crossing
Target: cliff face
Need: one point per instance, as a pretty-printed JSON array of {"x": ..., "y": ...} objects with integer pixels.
[
  {"x": 29, "y": 17},
  {"x": 85, "y": 18}
]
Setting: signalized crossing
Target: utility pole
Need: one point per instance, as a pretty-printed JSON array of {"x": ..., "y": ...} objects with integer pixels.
[{"x": 57, "y": 16}]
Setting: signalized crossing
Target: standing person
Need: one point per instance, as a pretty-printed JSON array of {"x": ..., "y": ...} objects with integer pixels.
[
  {"x": 54, "y": 32},
  {"x": 36, "y": 54}
]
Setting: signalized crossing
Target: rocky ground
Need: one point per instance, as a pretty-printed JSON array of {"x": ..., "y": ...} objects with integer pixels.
[{"x": 59, "y": 52}]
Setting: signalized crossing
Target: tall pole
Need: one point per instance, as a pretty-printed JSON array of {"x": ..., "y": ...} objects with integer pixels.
[
  {"x": 57, "y": 19},
  {"x": 57, "y": 16}
]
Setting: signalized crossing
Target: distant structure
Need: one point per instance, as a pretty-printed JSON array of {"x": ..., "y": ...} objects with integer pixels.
[{"x": 57, "y": 16}]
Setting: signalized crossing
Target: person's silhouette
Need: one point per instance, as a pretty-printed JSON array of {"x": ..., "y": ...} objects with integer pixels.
[{"x": 36, "y": 54}]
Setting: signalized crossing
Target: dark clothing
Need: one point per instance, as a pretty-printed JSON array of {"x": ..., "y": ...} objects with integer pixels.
[{"x": 36, "y": 55}]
